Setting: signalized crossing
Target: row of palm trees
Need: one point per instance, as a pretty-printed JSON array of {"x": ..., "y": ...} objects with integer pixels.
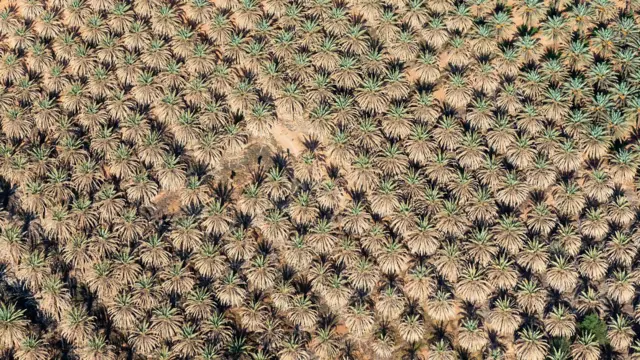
[{"x": 467, "y": 185}]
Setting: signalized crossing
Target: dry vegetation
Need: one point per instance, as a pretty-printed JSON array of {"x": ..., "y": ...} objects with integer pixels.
[{"x": 319, "y": 179}]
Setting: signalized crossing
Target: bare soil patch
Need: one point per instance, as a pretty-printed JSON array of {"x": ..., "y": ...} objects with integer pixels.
[
  {"x": 167, "y": 203},
  {"x": 287, "y": 139}
]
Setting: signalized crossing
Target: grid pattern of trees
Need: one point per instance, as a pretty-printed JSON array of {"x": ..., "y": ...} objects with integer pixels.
[{"x": 462, "y": 182}]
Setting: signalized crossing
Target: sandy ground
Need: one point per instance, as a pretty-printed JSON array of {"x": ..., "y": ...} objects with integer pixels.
[
  {"x": 287, "y": 139},
  {"x": 166, "y": 203}
]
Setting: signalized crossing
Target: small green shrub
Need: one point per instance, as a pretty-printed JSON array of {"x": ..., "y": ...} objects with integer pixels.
[{"x": 592, "y": 323}]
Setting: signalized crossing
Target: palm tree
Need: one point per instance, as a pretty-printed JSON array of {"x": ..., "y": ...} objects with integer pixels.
[
  {"x": 237, "y": 245},
  {"x": 624, "y": 163},
  {"x": 595, "y": 224},
  {"x": 457, "y": 90},
  {"x": 393, "y": 257},
  {"x": 77, "y": 325},
  {"x": 347, "y": 253},
  {"x": 531, "y": 345},
  {"x": 510, "y": 233},
  {"x": 178, "y": 279},
  {"x": 568, "y": 239},
  {"x": 471, "y": 336},
  {"x": 359, "y": 320},
  {"x": 391, "y": 303},
  {"x": 562, "y": 275},
  {"x": 13, "y": 326},
  {"x": 97, "y": 348},
  {"x": 481, "y": 247},
  {"x": 620, "y": 249},
  {"x": 336, "y": 293},
  {"x": 560, "y": 322},
  {"x": 53, "y": 297},
  {"x": 569, "y": 198},
  {"x": 262, "y": 273},
  {"x": 470, "y": 154},
  {"x": 502, "y": 274},
  {"x": 590, "y": 300},
  {"x": 503, "y": 318},
  {"x": 423, "y": 240},
  {"x": 535, "y": 256},
  {"x": 416, "y": 13},
  {"x": 404, "y": 220},
  {"x": 33, "y": 269},
  {"x": 419, "y": 284},
  {"x": 302, "y": 312},
  {"x": 230, "y": 291},
  {"x": 514, "y": 191},
  {"x": 217, "y": 327},
  {"x": 447, "y": 261},
  {"x": 142, "y": 339},
  {"x": 451, "y": 220},
  {"x": 364, "y": 175},
  {"x": 32, "y": 348},
  {"x": 635, "y": 348},
  {"x": 472, "y": 287},
  {"x": 383, "y": 343},
  {"x": 199, "y": 304},
  {"x": 208, "y": 261},
  {"x": 123, "y": 311},
  {"x": 593, "y": 264},
  {"x": 363, "y": 274},
  {"x": 292, "y": 349},
  {"x": 411, "y": 328},
  {"x": 586, "y": 347},
  {"x": 396, "y": 122},
  {"x": 442, "y": 307},
  {"x": 290, "y": 101},
  {"x": 620, "y": 287},
  {"x": 299, "y": 254},
  {"x": 521, "y": 154},
  {"x": 326, "y": 343},
  {"x": 370, "y": 96},
  {"x": 322, "y": 237},
  {"x": 189, "y": 341},
  {"x": 620, "y": 333},
  {"x": 530, "y": 296},
  {"x": 166, "y": 321}
]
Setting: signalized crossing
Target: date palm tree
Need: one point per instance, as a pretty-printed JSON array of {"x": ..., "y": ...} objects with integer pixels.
[
  {"x": 620, "y": 286},
  {"x": 442, "y": 307},
  {"x": 302, "y": 312},
  {"x": 531, "y": 345},
  {"x": 472, "y": 286},
  {"x": 391, "y": 303},
  {"x": 97, "y": 348},
  {"x": 142, "y": 339},
  {"x": 560, "y": 322},
  {"x": 620, "y": 334},
  {"x": 326, "y": 343},
  {"x": 471, "y": 336},
  {"x": 530, "y": 296},
  {"x": 562, "y": 275},
  {"x": 77, "y": 325},
  {"x": 32, "y": 348},
  {"x": 586, "y": 347},
  {"x": 503, "y": 318},
  {"x": 13, "y": 326}
]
